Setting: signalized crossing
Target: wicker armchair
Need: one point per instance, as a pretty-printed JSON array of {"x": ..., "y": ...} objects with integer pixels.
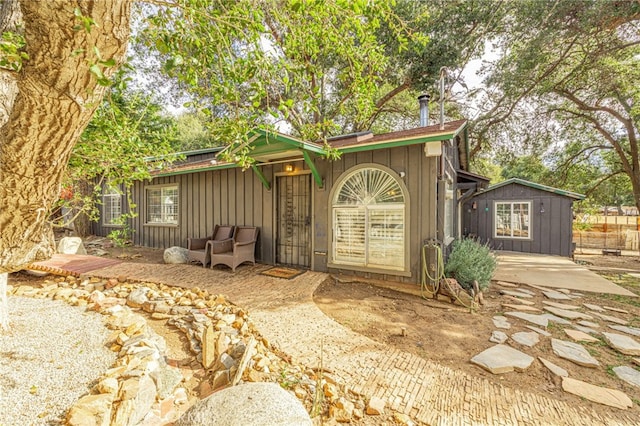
[
  {"x": 221, "y": 240},
  {"x": 242, "y": 250}
]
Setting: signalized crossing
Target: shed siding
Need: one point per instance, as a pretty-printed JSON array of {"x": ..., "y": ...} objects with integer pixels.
[
  {"x": 551, "y": 230},
  {"x": 234, "y": 197}
]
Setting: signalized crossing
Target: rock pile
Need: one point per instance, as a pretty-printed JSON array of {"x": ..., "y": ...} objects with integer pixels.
[{"x": 143, "y": 387}]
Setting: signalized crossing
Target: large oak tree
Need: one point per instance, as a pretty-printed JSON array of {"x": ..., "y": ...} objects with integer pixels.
[
  {"x": 45, "y": 103},
  {"x": 568, "y": 85}
]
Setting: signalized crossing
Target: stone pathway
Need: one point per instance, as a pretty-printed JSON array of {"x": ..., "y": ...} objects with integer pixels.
[{"x": 427, "y": 392}]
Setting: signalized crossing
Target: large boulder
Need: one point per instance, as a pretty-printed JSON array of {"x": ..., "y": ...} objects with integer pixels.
[
  {"x": 71, "y": 245},
  {"x": 176, "y": 255},
  {"x": 250, "y": 404}
]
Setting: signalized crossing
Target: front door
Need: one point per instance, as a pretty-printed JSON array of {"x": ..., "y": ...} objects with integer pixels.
[{"x": 293, "y": 244}]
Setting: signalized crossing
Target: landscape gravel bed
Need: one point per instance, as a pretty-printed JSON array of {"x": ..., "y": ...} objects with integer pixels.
[{"x": 51, "y": 357}]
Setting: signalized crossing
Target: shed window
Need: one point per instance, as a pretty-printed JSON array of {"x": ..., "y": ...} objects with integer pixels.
[
  {"x": 111, "y": 206},
  {"x": 368, "y": 213},
  {"x": 162, "y": 205},
  {"x": 512, "y": 219}
]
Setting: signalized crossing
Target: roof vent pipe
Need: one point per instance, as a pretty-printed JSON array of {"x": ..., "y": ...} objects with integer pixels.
[{"x": 424, "y": 109}]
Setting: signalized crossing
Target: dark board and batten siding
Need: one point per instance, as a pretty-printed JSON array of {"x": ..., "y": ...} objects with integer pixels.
[
  {"x": 420, "y": 180},
  {"x": 228, "y": 196},
  {"x": 234, "y": 197},
  {"x": 551, "y": 230}
]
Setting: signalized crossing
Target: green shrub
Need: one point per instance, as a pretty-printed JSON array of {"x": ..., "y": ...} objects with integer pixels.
[{"x": 470, "y": 260}]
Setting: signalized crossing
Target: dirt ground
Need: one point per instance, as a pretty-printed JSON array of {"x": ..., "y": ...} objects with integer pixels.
[{"x": 451, "y": 335}]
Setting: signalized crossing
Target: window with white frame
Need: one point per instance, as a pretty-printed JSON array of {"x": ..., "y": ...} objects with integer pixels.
[
  {"x": 111, "y": 206},
  {"x": 162, "y": 205},
  {"x": 368, "y": 213},
  {"x": 512, "y": 219}
]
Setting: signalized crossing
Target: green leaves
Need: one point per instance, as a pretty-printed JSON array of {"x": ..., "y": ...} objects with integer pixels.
[{"x": 12, "y": 54}]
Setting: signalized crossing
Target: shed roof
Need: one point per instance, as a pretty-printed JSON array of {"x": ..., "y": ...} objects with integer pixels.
[{"x": 539, "y": 186}]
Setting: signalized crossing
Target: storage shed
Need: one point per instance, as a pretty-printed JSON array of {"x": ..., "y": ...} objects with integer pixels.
[{"x": 523, "y": 216}]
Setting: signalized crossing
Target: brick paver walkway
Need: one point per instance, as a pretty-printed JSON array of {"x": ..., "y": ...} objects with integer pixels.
[{"x": 284, "y": 312}]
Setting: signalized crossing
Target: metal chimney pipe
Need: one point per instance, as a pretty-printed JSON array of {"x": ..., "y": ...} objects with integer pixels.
[
  {"x": 424, "y": 109},
  {"x": 443, "y": 74}
]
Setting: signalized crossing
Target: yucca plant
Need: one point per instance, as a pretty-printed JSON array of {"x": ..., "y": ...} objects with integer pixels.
[{"x": 471, "y": 261}]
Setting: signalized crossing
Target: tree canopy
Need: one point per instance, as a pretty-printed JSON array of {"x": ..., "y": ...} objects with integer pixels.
[{"x": 567, "y": 87}]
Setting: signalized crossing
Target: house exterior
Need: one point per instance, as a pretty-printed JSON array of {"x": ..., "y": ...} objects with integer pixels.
[
  {"x": 368, "y": 213},
  {"x": 518, "y": 215}
]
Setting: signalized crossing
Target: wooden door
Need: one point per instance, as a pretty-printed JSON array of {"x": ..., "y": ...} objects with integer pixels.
[{"x": 293, "y": 243}]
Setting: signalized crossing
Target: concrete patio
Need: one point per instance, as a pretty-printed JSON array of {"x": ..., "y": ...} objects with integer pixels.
[{"x": 553, "y": 272}]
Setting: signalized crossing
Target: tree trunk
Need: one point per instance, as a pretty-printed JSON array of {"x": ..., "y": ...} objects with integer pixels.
[
  {"x": 81, "y": 222},
  {"x": 55, "y": 97},
  {"x": 4, "y": 304}
]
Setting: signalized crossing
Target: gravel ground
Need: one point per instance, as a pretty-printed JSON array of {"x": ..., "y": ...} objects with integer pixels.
[{"x": 52, "y": 356}]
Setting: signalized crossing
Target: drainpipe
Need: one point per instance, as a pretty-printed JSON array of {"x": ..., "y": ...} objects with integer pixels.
[{"x": 424, "y": 109}]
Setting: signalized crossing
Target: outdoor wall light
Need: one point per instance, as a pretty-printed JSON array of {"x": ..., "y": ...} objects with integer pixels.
[
  {"x": 541, "y": 207},
  {"x": 474, "y": 205},
  {"x": 288, "y": 168}
]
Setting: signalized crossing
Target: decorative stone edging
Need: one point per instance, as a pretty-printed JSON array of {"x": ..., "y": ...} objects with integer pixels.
[{"x": 143, "y": 386}]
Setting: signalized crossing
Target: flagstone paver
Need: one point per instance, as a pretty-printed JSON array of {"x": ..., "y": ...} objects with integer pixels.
[
  {"x": 629, "y": 330},
  {"x": 609, "y": 318},
  {"x": 611, "y": 308},
  {"x": 590, "y": 324},
  {"x": 606, "y": 396},
  {"x": 539, "y": 330},
  {"x": 540, "y": 320},
  {"x": 564, "y": 313},
  {"x": 501, "y": 322},
  {"x": 526, "y": 338},
  {"x": 498, "y": 337},
  {"x": 584, "y": 329},
  {"x": 628, "y": 374},
  {"x": 574, "y": 352},
  {"x": 560, "y": 305},
  {"x": 438, "y": 395},
  {"x": 500, "y": 359},
  {"x": 556, "y": 295},
  {"x": 555, "y": 369},
  {"x": 523, "y": 308},
  {"x": 623, "y": 343},
  {"x": 516, "y": 293},
  {"x": 593, "y": 307},
  {"x": 580, "y": 336}
]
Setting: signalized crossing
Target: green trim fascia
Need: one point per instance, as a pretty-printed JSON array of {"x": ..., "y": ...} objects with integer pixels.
[
  {"x": 279, "y": 137},
  {"x": 535, "y": 186},
  {"x": 261, "y": 176},
  {"x": 393, "y": 144},
  {"x": 198, "y": 170},
  {"x": 312, "y": 167}
]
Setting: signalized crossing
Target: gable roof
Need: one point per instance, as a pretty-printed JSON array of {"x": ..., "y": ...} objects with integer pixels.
[
  {"x": 368, "y": 141},
  {"x": 267, "y": 146},
  {"x": 539, "y": 186}
]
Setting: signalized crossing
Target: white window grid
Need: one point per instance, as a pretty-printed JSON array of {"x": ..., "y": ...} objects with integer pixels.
[
  {"x": 111, "y": 206},
  {"x": 512, "y": 219},
  {"x": 162, "y": 205}
]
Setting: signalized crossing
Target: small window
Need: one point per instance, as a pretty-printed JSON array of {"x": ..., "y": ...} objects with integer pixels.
[
  {"x": 111, "y": 206},
  {"x": 512, "y": 219},
  {"x": 162, "y": 205}
]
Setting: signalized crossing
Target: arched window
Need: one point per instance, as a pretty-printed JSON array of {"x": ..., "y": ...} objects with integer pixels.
[{"x": 368, "y": 215}]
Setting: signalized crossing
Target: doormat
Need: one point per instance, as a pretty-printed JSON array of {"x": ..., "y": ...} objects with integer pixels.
[{"x": 282, "y": 272}]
